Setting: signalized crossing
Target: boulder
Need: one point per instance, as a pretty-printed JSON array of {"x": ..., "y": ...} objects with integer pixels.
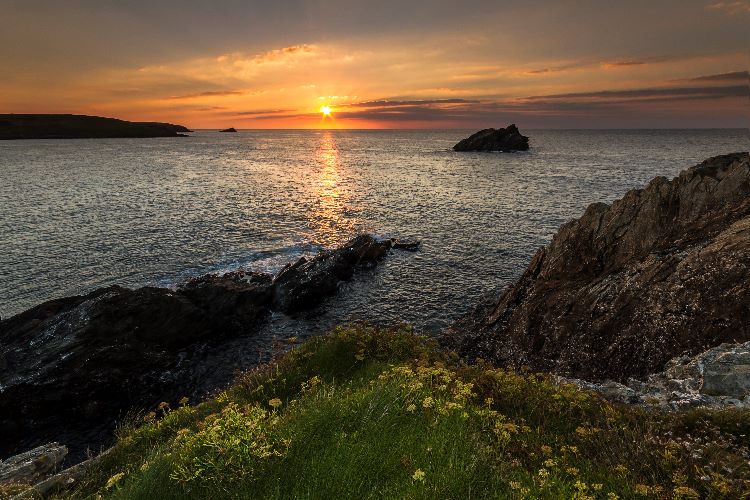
[
  {"x": 230, "y": 129},
  {"x": 620, "y": 291},
  {"x": 728, "y": 374},
  {"x": 490, "y": 139},
  {"x": 32, "y": 466}
]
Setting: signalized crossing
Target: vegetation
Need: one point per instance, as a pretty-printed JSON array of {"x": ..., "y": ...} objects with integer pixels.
[{"x": 372, "y": 413}]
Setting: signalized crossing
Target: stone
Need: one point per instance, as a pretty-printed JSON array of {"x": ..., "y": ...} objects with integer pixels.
[
  {"x": 32, "y": 466},
  {"x": 230, "y": 129},
  {"x": 490, "y": 139},
  {"x": 728, "y": 375}
]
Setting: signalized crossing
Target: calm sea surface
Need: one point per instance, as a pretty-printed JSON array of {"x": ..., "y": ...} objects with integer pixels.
[{"x": 80, "y": 214}]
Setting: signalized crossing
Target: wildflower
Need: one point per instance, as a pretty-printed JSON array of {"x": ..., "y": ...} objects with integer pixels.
[
  {"x": 612, "y": 496},
  {"x": 547, "y": 450},
  {"x": 428, "y": 402},
  {"x": 418, "y": 475},
  {"x": 641, "y": 489},
  {"x": 411, "y": 408},
  {"x": 275, "y": 403},
  {"x": 621, "y": 470},
  {"x": 580, "y": 486},
  {"x": 291, "y": 340},
  {"x": 514, "y": 485},
  {"x": 685, "y": 492},
  {"x": 543, "y": 473},
  {"x": 572, "y": 471},
  {"x": 597, "y": 486},
  {"x": 184, "y": 401},
  {"x": 115, "y": 479},
  {"x": 163, "y": 406},
  {"x": 549, "y": 463},
  {"x": 148, "y": 417}
]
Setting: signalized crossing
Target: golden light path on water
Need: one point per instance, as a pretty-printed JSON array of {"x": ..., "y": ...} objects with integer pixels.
[{"x": 330, "y": 215}]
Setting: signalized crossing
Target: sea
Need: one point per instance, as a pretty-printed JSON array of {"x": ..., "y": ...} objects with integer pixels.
[{"x": 80, "y": 214}]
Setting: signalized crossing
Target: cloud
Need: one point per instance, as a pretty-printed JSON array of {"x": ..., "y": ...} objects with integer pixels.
[
  {"x": 209, "y": 93},
  {"x": 386, "y": 103},
  {"x": 731, "y": 8},
  {"x": 734, "y": 76},
  {"x": 652, "y": 93}
]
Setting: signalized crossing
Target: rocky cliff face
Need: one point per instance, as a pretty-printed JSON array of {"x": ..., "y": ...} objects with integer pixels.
[{"x": 664, "y": 271}]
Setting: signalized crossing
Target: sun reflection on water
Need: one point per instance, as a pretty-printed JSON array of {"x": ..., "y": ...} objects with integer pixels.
[{"x": 331, "y": 218}]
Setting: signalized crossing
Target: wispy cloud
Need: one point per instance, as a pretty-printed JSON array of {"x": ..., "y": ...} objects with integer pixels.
[
  {"x": 209, "y": 93},
  {"x": 731, "y": 8}
]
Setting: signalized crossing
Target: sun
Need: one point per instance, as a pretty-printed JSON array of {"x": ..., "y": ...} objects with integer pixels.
[{"x": 326, "y": 110}]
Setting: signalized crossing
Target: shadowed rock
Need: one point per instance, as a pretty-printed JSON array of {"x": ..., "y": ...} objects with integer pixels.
[
  {"x": 69, "y": 368},
  {"x": 230, "y": 129},
  {"x": 32, "y": 466},
  {"x": 490, "y": 139},
  {"x": 662, "y": 272}
]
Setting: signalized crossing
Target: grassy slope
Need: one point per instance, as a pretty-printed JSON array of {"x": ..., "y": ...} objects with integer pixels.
[{"x": 370, "y": 413}]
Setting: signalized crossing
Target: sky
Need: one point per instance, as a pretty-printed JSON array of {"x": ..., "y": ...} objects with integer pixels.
[{"x": 381, "y": 64}]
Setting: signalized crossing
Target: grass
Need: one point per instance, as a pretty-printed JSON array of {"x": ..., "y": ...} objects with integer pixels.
[{"x": 384, "y": 413}]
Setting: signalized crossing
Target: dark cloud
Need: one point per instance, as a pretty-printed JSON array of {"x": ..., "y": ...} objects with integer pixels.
[
  {"x": 658, "y": 93},
  {"x": 735, "y": 76},
  {"x": 386, "y": 103}
]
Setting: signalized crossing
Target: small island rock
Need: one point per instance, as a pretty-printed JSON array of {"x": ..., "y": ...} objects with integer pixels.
[
  {"x": 230, "y": 129},
  {"x": 490, "y": 139}
]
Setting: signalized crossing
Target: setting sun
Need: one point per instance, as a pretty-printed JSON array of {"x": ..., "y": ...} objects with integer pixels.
[{"x": 326, "y": 110}]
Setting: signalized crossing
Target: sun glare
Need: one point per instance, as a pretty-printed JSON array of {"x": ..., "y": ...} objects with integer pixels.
[{"x": 326, "y": 110}]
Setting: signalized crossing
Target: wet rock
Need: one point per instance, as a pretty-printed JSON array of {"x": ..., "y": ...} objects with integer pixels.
[
  {"x": 307, "y": 282},
  {"x": 408, "y": 245},
  {"x": 490, "y": 139},
  {"x": 32, "y": 466},
  {"x": 72, "y": 367},
  {"x": 660, "y": 273}
]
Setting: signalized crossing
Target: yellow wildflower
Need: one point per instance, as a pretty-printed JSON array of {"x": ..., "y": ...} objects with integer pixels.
[
  {"x": 685, "y": 492},
  {"x": 418, "y": 475},
  {"x": 184, "y": 401},
  {"x": 612, "y": 496},
  {"x": 115, "y": 479},
  {"x": 547, "y": 450},
  {"x": 641, "y": 489},
  {"x": 572, "y": 471},
  {"x": 411, "y": 408},
  {"x": 428, "y": 402},
  {"x": 514, "y": 485},
  {"x": 597, "y": 486},
  {"x": 148, "y": 417},
  {"x": 275, "y": 403},
  {"x": 163, "y": 405}
]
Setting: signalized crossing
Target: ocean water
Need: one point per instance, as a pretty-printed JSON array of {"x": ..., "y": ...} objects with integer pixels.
[{"x": 80, "y": 214}]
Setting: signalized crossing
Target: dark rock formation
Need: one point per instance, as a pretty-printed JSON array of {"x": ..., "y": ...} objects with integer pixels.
[
  {"x": 490, "y": 139},
  {"x": 664, "y": 271},
  {"x": 32, "y": 466},
  {"x": 81, "y": 127},
  {"x": 70, "y": 367},
  {"x": 230, "y": 129}
]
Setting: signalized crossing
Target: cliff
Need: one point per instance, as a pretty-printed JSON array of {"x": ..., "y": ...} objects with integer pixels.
[{"x": 662, "y": 272}]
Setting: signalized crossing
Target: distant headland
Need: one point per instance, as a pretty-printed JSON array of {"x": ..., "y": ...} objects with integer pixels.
[{"x": 17, "y": 126}]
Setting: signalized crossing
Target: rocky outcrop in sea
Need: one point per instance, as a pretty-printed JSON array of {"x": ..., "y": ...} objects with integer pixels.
[
  {"x": 662, "y": 272},
  {"x": 491, "y": 139},
  {"x": 72, "y": 366}
]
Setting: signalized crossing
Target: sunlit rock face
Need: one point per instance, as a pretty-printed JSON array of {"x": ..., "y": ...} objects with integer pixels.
[
  {"x": 491, "y": 139},
  {"x": 662, "y": 272}
]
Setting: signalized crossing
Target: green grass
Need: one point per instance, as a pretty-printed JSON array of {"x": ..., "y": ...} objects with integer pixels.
[{"x": 372, "y": 413}]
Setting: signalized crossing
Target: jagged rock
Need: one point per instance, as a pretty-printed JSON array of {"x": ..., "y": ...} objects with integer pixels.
[
  {"x": 490, "y": 139},
  {"x": 69, "y": 368},
  {"x": 32, "y": 466},
  {"x": 617, "y": 293},
  {"x": 307, "y": 282},
  {"x": 408, "y": 245},
  {"x": 714, "y": 378},
  {"x": 230, "y": 129}
]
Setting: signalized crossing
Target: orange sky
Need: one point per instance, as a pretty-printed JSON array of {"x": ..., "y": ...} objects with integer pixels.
[{"x": 380, "y": 65}]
